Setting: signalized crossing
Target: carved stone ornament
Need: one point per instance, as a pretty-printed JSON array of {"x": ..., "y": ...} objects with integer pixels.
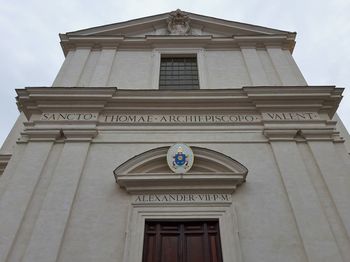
[{"x": 178, "y": 23}]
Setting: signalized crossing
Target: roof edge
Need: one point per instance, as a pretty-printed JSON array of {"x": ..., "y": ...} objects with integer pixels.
[{"x": 157, "y": 17}]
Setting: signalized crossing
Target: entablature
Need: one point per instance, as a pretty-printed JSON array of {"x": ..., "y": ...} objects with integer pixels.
[
  {"x": 156, "y": 41},
  {"x": 321, "y": 99},
  {"x": 248, "y": 108}
]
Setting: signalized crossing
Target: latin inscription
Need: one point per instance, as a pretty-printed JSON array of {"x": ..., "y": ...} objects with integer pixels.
[
  {"x": 181, "y": 198},
  {"x": 180, "y": 118},
  {"x": 68, "y": 116},
  {"x": 294, "y": 116}
]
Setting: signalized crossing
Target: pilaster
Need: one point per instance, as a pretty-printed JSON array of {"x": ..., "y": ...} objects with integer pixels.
[
  {"x": 70, "y": 76},
  {"x": 103, "y": 67},
  {"x": 64, "y": 68},
  {"x": 282, "y": 66},
  {"x": 336, "y": 176},
  {"x": 49, "y": 229},
  {"x": 18, "y": 194},
  {"x": 202, "y": 69},
  {"x": 255, "y": 68},
  {"x": 317, "y": 238}
]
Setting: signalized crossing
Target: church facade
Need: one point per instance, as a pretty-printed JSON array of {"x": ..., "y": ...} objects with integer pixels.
[{"x": 176, "y": 137}]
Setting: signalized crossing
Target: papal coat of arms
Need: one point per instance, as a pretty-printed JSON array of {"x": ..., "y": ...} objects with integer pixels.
[
  {"x": 180, "y": 158},
  {"x": 178, "y": 23}
]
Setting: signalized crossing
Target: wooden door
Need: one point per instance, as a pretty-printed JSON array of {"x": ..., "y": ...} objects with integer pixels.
[{"x": 182, "y": 241}]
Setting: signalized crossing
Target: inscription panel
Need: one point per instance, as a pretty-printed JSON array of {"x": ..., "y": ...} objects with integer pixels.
[
  {"x": 180, "y": 119},
  {"x": 181, "y": 198},
  {"x": 69, "y": 116},
  {"x": 290, "y": 116}
]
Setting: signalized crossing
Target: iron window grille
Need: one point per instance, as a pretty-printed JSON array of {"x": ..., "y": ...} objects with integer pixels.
[{"x": 178, "y": 73}]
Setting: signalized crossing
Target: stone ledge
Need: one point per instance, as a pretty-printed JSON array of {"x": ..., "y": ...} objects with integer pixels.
[
  {"x": 320, "y": 99},
  {"x": 321, "y": 134},
  {"x": 45, "y": 134},
  {"x": 169, "y": 182},
  {"x": 4, "y": 159}
]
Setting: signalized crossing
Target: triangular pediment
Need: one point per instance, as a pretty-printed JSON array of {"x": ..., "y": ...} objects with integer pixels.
[{"x": 185, "y": 24}]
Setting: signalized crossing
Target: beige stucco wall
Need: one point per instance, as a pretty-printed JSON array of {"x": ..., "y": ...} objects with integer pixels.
[
  {"x": 61, "y": 202},
  {"x": 10, "y": 141},
  {"x": 140, "y": 69},
  {"x": 132, "y": 70}
]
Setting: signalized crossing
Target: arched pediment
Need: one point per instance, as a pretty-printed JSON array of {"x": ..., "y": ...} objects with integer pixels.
[{"x": 211, "y": 171}]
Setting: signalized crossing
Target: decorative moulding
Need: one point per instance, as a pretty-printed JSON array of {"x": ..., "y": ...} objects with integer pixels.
[
  {"x": 226, "y": 215},
  {"x": 321, "y": 99},
  {"x": 47, "y": 134},
  {"x": 324, "y": 134},
  {"x": 306, "y": 108},
  {"x": 177, "y": 28},
  {"x": 175, "y": 40},
  {"x": 4, "y": 159},
  {"x": 149, "y": 172}
]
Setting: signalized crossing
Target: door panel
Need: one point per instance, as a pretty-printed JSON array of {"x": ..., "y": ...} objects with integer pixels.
[
  {"x": 182, "y": 241},
  {"x": 169, "y": 248},
  {"x": 194, "y": 248}
]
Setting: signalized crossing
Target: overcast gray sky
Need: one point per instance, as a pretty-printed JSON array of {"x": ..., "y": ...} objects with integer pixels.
[{"x": 31, "y": 55}]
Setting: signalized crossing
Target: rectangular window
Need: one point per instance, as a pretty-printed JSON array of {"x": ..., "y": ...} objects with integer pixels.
[
  {"x": 182, "y": 241},
  {"x": 178, "y": 73}
]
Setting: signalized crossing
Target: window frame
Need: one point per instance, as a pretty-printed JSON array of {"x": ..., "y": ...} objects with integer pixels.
[
  {"x": 172, "y": 76},
  {"x": 173, "y": 52}
]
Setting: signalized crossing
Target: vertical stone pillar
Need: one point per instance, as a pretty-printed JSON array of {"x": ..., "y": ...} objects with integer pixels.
[
  {"x": 285, "y": 71},
  {"x": 254, "y": 66},
  {"x": 336, "y": 176},
  {"x": 49, "y": 229},
  {"x": 10, "y": 141},
  {"x": 202, "y": 69},
  {"x": 71, "y": 72},
  {"x": 314, "y": 229},
  {"x": 295, "y": 67},
  {"x": 64, "y": 68},
  {"x": 20, "y": 188},
  {"x": 104, "y": 66},
  {"x": 156, "y": 56}
]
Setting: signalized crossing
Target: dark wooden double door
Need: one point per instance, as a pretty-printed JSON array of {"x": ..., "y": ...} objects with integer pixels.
[{"x": 182, "y": 241}]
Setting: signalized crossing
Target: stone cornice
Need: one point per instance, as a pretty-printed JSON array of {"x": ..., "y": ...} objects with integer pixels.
[
  {"x": 321, "y": 99},
  {"x": 159, "y": 20},
  {"x": 39, "y": 99},
  {"x": 58, "y": 134},
  {"x": 75, "y": 114},
  {"x": 324, "y": 99},
  {"x": 302, "y": 135},
  {"x": 204, "y": 31},
  {"x": 153, "y": 41}
]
